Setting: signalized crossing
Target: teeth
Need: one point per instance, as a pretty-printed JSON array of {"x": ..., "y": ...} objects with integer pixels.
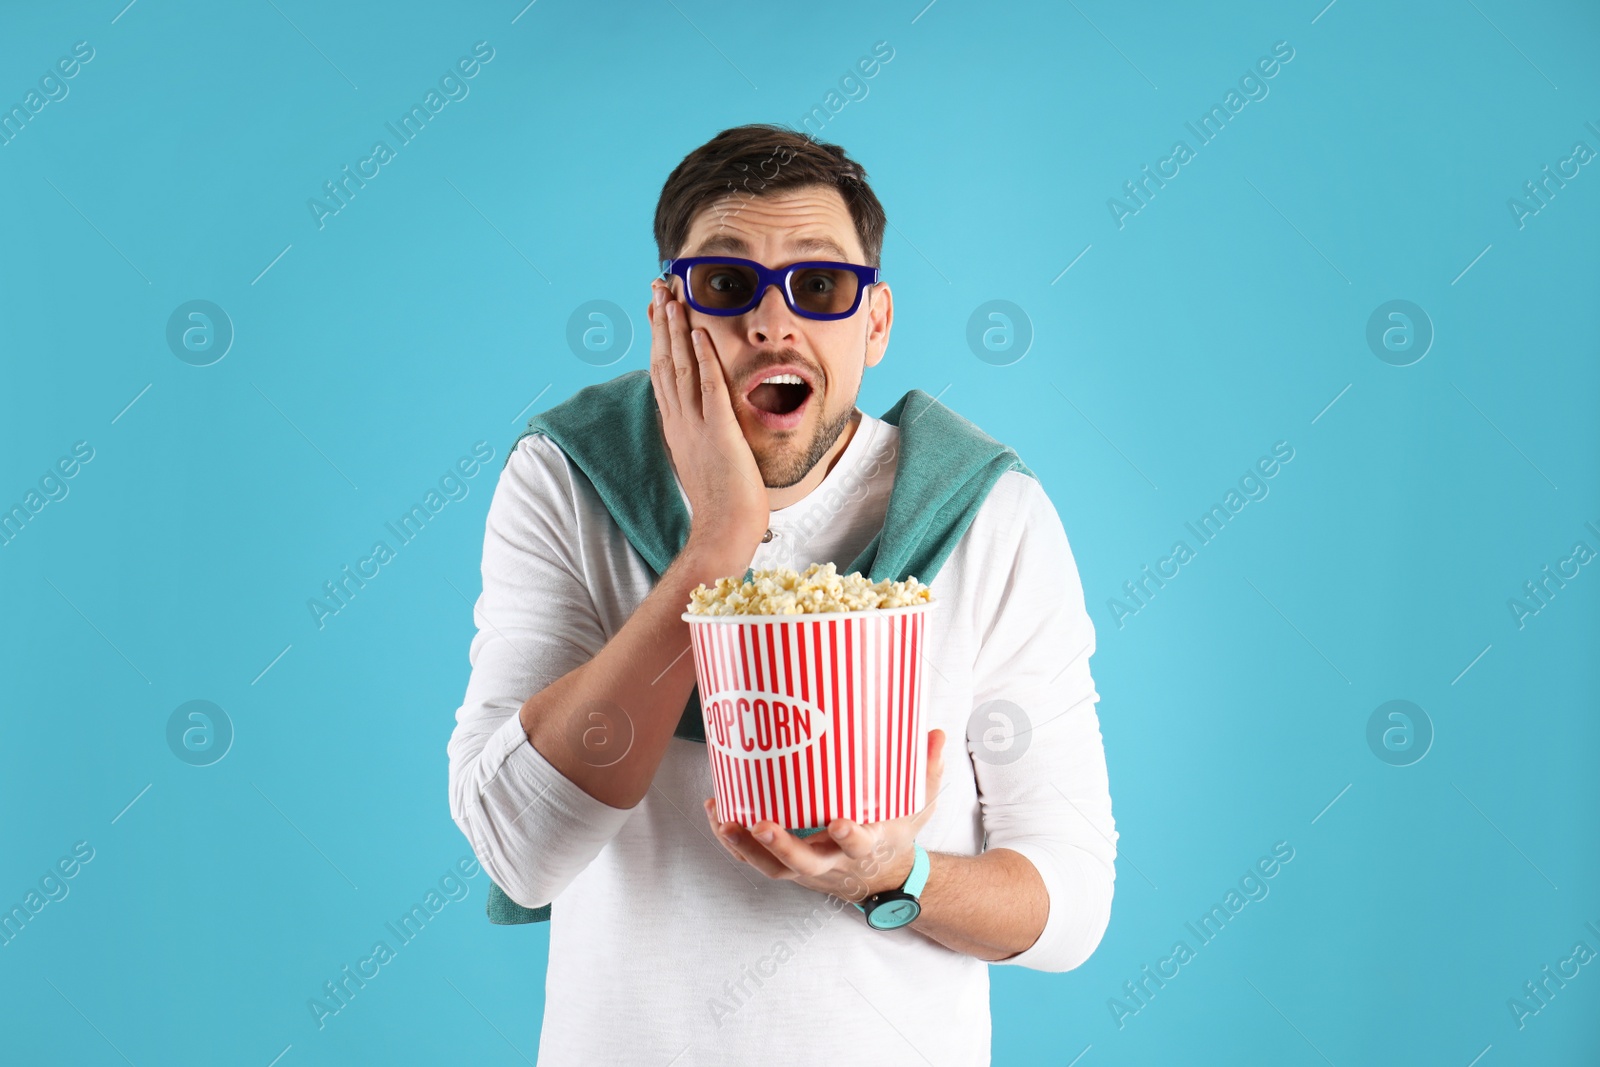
[{"x": 783, "y": 379}]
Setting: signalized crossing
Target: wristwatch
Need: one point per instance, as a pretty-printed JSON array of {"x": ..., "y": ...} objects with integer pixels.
[{"x": 894, "y": 908}]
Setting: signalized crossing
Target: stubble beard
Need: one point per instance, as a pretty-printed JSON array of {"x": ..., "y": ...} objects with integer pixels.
[{"x": 781, "y": 465}]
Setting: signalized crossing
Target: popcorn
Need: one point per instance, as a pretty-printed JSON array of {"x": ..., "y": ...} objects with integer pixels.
[{"x": 820, "y": 588}]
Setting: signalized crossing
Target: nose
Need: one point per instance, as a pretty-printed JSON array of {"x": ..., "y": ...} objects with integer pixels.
[{"x": 771, "y": 321}]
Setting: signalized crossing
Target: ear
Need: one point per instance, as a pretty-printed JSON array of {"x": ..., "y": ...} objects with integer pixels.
[{"x": 880, "y": 317}]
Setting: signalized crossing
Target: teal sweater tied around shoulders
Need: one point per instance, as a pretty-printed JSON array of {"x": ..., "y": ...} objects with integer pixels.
[{"x": 612, "y": 433}]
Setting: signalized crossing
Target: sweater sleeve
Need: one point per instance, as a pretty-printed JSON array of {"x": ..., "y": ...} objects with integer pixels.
[
  {"x": 1035, "y": 737},
  {"x": 532, "y": 828}
]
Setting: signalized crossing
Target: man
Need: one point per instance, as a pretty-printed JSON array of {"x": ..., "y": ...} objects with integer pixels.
[{"x": 675, "y": 938}]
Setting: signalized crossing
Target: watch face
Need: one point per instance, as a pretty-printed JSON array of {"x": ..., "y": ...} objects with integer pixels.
[{"x": 894, "y": 913}]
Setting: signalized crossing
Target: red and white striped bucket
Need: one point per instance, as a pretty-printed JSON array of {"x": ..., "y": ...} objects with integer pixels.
[{"x": 811, "y": 718}]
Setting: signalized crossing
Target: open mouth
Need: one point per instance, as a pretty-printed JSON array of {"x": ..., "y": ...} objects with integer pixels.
[{"x": 781, "y": 394}]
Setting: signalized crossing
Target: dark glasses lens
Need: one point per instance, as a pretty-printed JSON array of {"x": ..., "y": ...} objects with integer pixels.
[
  {"x": 722, "y": 286},
  {"x": 816, "y": 290},
  {"x": 824, "y": 290}
]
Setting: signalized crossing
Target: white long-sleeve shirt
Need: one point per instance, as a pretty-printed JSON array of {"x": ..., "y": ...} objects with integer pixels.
[{"x": 661, "y": 944}]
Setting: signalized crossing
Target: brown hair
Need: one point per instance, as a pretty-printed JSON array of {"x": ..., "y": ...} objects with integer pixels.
[{"x": 758, "y": 159}]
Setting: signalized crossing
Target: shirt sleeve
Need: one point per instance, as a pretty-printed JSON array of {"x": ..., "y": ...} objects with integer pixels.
[
  {"x": 532, "y": 828},
  {"x": 1035, "y": 737}
]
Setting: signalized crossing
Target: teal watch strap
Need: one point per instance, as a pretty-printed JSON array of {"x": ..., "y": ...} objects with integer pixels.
[
  {"x": 918, "y": 876},
  {"x": 919, "y": 872}
]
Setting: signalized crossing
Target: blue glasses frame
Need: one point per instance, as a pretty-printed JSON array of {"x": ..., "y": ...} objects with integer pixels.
[{"x": 766, "y": 276}]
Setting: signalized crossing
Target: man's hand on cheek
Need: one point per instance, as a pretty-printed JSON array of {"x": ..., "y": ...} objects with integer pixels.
[
  {"x": 727, "y": 495},
  {"x": 851, "y": 860}
]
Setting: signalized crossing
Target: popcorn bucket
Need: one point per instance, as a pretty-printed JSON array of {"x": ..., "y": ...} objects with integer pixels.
[{"x": 811, "y": 718}]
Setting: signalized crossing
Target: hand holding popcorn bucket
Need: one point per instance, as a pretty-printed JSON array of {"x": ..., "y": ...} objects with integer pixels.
[{"x": 812, "y": 715}]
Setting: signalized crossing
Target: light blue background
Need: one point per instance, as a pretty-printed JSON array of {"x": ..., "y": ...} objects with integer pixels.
[{"x": 427, "y": 315}]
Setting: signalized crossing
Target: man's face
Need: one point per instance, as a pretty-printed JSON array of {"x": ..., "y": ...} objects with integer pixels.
[{"x": 807, "y": 223}]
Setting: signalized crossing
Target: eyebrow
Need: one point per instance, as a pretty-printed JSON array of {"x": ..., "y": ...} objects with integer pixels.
[{"x": 729, "y": 244}]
